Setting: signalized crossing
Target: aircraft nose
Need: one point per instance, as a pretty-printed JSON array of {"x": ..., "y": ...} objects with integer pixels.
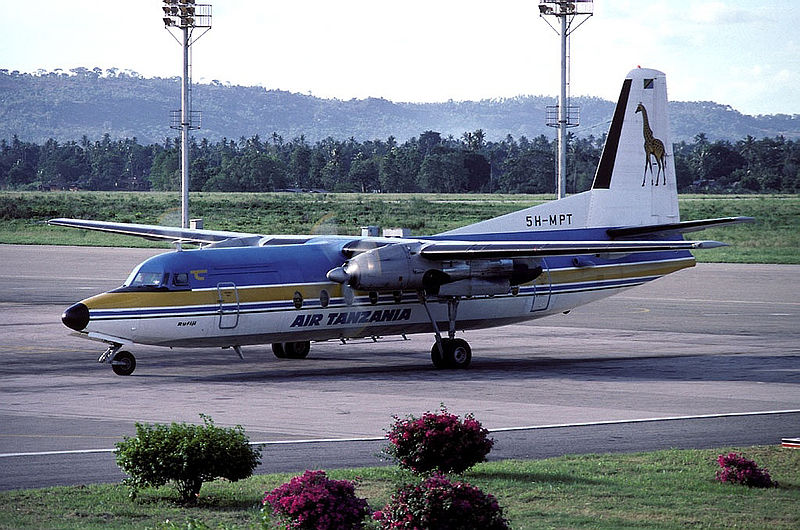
[{"x": 76, "y": 317}]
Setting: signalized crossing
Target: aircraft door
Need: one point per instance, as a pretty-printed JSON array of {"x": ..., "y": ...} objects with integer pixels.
[
  {"x": 541, "y": 289},
  {"x": 228, "y": 299}
]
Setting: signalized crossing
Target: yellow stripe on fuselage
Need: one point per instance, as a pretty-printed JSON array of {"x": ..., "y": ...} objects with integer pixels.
[
  {"x": 618, "y": 272},
  {"x": 133, "y": 299}
]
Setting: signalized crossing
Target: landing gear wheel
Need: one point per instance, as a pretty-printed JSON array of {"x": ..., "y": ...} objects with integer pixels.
[
  {"x": 436, "y": 356},
  {"x": 291, "y": 350},
  {"x": 124, "y": 363},
  {"x": 297, "y": 350},
  {"x": 278, "y": 350},
  {"x": 457, "y": 354}
]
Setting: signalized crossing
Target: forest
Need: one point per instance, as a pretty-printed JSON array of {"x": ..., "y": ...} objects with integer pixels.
[{"x": 427, "y": 163}]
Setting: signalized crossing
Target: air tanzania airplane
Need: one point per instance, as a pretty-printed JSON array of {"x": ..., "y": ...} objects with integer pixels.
[{"x": 241, "y": 289}]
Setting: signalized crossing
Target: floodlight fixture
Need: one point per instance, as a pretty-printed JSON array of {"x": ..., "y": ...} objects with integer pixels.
[
  {"x": 564, "y": 115},
  {"x": 186, "y": 16}
]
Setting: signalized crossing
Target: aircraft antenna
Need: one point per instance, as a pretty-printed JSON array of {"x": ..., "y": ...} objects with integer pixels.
[
  {"x": 564, "y": 115},
  {"x": 182, "y": 17}
]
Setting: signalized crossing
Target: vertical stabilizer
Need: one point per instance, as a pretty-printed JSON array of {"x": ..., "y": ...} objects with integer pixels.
[{"x": 635, "y": 179}]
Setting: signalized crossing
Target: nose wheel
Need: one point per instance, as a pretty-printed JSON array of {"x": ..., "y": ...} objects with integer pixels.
[{"x": 124, "y": 363}]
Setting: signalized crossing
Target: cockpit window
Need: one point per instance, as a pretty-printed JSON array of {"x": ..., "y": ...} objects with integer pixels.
[
  {"x": 148, "y": 279},
  {"x": 180, "y": 279}
]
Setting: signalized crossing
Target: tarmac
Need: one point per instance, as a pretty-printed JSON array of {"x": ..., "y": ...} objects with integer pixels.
[{"x": 707, "y": 356}]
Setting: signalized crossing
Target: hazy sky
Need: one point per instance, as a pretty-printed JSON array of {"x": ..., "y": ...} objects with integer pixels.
[{"x": 743, "y": 53}]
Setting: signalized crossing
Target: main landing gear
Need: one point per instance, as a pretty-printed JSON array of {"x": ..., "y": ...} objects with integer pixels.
[
  {"x": 122, "y": 361},
  {"x": 448, "y": 352},
  {"x": 291, "y": 350},
  {"x": 451, "y": 353}
]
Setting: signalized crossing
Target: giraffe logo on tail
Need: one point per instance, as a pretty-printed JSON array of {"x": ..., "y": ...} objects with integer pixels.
[{"x": 652, "y": 147}]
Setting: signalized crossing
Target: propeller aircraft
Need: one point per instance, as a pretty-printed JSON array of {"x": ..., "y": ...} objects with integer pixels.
[{"x": 241, "y": 289}]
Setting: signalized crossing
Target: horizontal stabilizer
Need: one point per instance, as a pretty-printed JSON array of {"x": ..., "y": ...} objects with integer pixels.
[{"x": 675, "y": 228}]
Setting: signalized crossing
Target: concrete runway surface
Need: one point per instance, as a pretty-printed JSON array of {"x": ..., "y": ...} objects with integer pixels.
[{"x": 718, "y": 341}]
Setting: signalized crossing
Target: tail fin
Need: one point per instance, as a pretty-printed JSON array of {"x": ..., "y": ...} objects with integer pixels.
[
  {"x": 634, "y": 183},
  {"x": 635, "y": 179}
]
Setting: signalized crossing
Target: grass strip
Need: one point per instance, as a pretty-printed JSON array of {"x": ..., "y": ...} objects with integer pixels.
[
  {"x": 773, "y": 238},
  {"x": 662, "y": 489}
]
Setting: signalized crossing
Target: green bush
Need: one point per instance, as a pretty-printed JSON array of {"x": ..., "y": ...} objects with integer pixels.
[{"x": 186, "y": 456}]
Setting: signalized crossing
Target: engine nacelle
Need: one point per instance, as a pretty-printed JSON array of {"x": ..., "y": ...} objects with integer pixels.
[
  {"x": 400, "y": 267},
  {"x": 390, "y": 268}
]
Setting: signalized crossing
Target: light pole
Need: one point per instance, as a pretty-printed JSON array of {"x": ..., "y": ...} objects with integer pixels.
[
  {"x": 563, "y": 115},
  {"x": 184, "y": 16}
]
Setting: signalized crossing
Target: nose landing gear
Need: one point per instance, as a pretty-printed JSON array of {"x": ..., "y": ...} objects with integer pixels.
[{"x": 122, "y": 362}]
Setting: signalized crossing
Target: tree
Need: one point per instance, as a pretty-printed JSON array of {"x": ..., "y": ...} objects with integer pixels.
[
  {"x": 443, "y": 171},
  {"x": 399, "y": 170},
  {"x": 364, "y": 174},
  {"x": 61, "y": 166},
  {"x": 21, "y": 159},
  {"x": 165, "y": 169},
  {"x": 427, "y": 141},
  {"x": 299, "y": 172},
  {"x": 533, "y": 171},
  {"x": 478, "y": 171}
]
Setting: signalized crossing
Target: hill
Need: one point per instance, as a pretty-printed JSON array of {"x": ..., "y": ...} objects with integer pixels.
[{"x": 66, "y": 106}]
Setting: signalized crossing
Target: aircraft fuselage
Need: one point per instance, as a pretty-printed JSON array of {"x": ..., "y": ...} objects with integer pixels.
[{"x": 277, "y": 294}]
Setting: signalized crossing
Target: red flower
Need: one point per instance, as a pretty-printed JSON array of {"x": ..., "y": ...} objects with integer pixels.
[{"x": 438, "y": 441}]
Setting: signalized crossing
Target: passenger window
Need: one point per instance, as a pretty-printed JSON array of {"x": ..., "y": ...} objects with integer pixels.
[
  {"x": 180, "y": 279},
  {"x": 324, "y": 298},
  {"x": 298, "y": 300}
]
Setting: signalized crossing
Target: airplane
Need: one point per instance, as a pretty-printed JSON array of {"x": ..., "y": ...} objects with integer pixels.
[{"x": 239, "y": 289}]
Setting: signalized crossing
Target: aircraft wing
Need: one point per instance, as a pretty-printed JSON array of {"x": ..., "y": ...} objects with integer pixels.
[
  {"x": 415, "y": 264},
  {"x": 445, "y": 250},
  {"x": 155, "y": 232}
]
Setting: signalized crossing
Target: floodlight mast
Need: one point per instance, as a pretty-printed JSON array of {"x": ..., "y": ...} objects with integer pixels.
[
  {"x": 567, "y": 116},
  {"x": 185, "y": 16}
]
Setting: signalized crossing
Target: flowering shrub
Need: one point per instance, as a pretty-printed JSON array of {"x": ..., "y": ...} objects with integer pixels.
[
  {"x": 312, "y": 501},
  {"x": 739, "y": 470},
  {"x": 441, "y": 504},
  {"x": 438, "y": 441}
]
